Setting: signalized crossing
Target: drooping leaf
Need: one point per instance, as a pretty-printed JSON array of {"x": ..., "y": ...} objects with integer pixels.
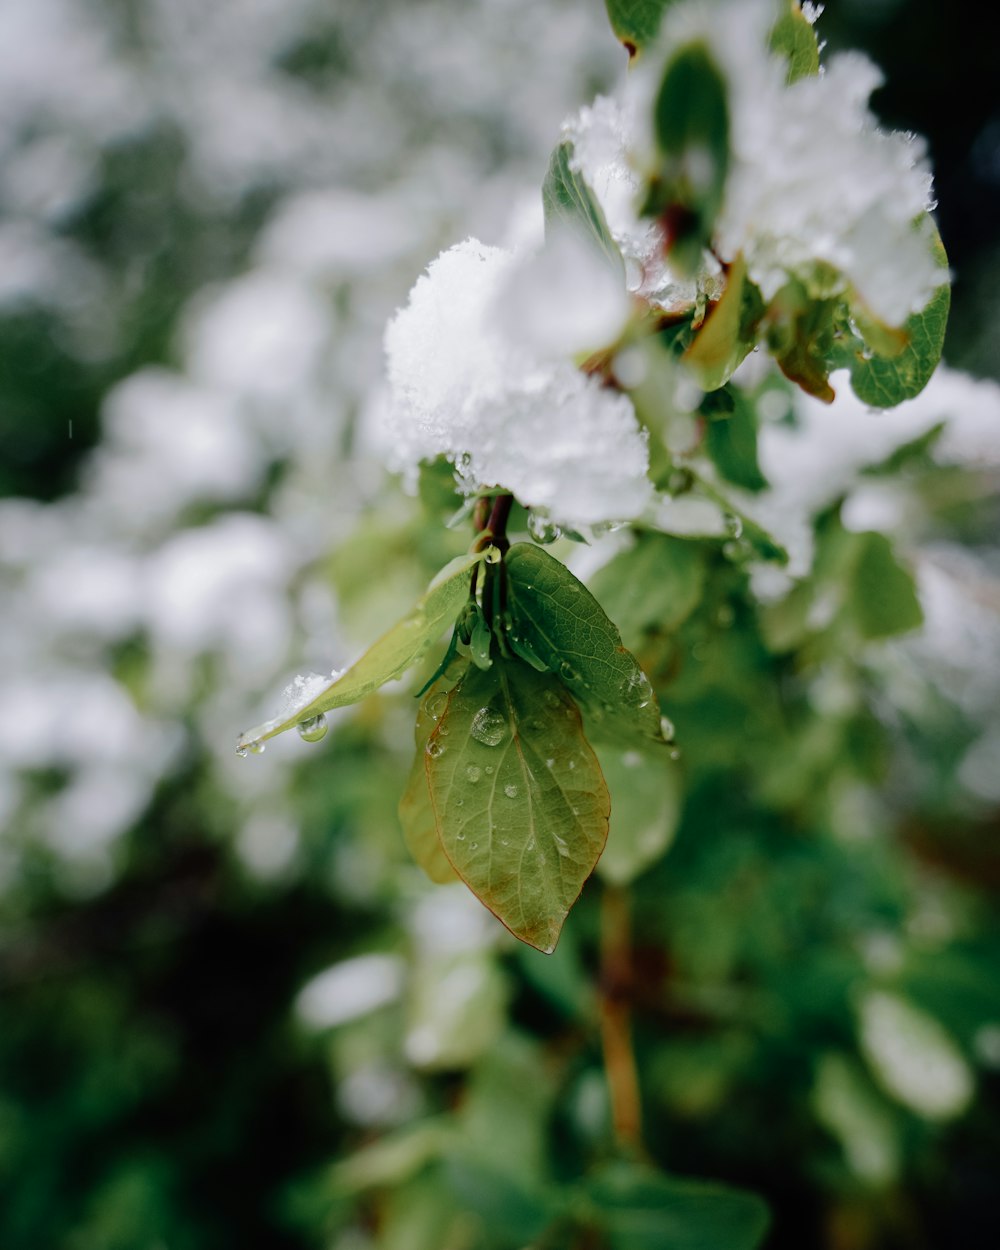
[
  {"x": 691, "y": 122},
  {"x": 387, "y": 658},
  {"x": 728, "y": 332},
  {"x": 640, "y": 1209},
  {"x": 518, "y": 797},
  {"x": 636, "y": 22},
  {"x": 884, "y": 381},
  {"x": 568, "y": 201},
  {"x": 416, "y": 815},
  {"x": 645, "y": 807},
  {"x": 569, "y": 631},
  {"x": 793, "y": 37},
  {"x": 653, "y": 586}
]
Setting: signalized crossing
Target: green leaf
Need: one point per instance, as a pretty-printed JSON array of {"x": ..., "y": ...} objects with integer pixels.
[
  {"x": 568, "y": 630},
  {"x": 884, "y": 598},
  {"x": 643, "y": 1210},
  {"x": 728, "y": 332},
  {"x": 801, "y": 335},
  {"x": 386, "y": 659},
  {"x": 793, "y": 37},
  {"x": 416, "y": 815},
  {"x": 884, "y": 381},
  {"x": 636, "y": 22},
  {"x": 654, "y": 586},
  {"x": 519, "y": 800},
  {"x": 645, "y": 808},
  {"x": 691, "y": 121},
  {"x": 568, "y": 200},
  {"x": 731, "y": 441}
]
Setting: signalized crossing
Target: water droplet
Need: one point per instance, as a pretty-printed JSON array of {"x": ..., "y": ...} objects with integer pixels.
[
  {"x": 488, "y": 727},
  {"x": 435, "y": 749},
  {"x": 531, "y": 845},
  {"x": 242, "y": 752},
  {"x": 493, "y": 555},
  {"x": 510, "y": 790},
  {"x": 542, "y": 529},
  {"x": 732, "y": 550},
  {"x": 567, "y": 672},
  {"x": 460, "y": 802},
  {"x": 474, "y": 846},
  {"x": 256, "y": 748},
  {"x": 505, "y": 841},
  {"x": 436, "y": 704},
  {"x": 550, "y": 763},
  {"x": 489, "y": 770},
  {"x": 551, "y": 699},
  {"x": 313, "y": 729},
  {"x": 473, "y": 774},
  {"x": 675, "y": 754},
  {"x": 571, "y": 765},
  {"x": 680, "y": 481},
  {"x": 734, "y": 526},
  {"x": 459, "y": 837},
  {"x": 667, "y": 728}
]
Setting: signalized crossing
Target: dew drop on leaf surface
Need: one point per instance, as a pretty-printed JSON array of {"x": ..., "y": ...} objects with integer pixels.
[
  {"x": 667, "y": 728},
  {"x": 435, "y": 749},
  {"x": 313, "y": 729},
  {"x": 510, "y": 790},
  {"x": 472, "y": 773},
  {"x": 488, "y": 727}
]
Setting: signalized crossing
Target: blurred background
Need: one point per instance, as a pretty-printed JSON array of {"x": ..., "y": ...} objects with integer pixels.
[{"x": 220, "y": 977}]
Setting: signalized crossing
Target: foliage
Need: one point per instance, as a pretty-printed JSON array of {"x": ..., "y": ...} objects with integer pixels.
[{"x": 724, "y": 769}]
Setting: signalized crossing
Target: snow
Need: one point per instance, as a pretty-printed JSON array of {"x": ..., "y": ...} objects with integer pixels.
[{"x": 505, "y": 413}]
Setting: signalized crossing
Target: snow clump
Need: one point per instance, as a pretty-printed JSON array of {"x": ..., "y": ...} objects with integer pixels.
[{"x": 506, "y": 407}]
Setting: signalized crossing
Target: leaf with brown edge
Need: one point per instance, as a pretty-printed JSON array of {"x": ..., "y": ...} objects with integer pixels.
[
  {"x": 416, "y": 814},
  {"x": 519, "y": 800}
]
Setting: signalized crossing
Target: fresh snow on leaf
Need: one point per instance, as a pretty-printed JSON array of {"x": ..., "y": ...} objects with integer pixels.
[
  {"x": 812, "y": 180},
  {"x": 506, "y": 413}
]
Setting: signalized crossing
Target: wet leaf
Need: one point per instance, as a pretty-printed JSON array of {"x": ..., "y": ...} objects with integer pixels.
[
  {"x": 568, "y": 630},
  {"x": 518, "y": 797},
  {"x": 416, "y": 815},
  {"x": 386, "y": 659}
]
